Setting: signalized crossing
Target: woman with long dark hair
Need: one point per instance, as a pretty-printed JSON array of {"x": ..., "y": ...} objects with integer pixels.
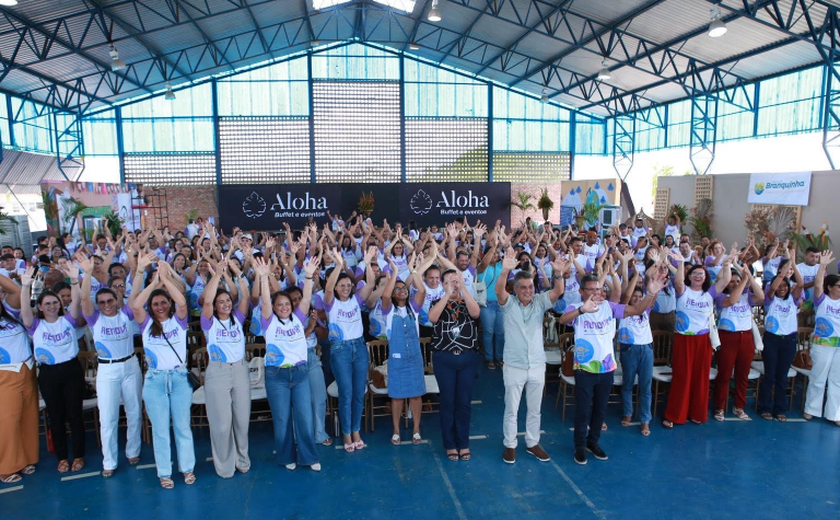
[
  {"x": 287, "y": 371},
  {"x": 18, "y": 391},
  {"x": 60, "y": 375},
  {"x": 782, "y": 303},
  {"x": 227, "y": 383},
  {"x": 166, "y": 390}
]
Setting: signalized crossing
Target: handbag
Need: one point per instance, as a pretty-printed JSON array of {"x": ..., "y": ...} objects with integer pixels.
[
  {"x": 758, "y": 341},
  {"x": 568, "y": 366},
  {"x": 480, "y": 287},
  {"x": 193, "y": 380},
  {"x": 802, "y": 359},
  {"x": 714, "y": 337}
]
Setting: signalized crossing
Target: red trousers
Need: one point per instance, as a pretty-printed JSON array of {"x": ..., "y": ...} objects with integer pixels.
[
  {"x": 736, "y": 350},
  {"x": 691, "y": 360}
]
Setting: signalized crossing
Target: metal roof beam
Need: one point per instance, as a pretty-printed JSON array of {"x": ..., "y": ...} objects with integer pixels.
[
  {"x": 416, "y": 25},
  {"x": 137, "y": 35},
  {"x": 461, "y": 42},
  {"x": 215, "y": 51},
  {"x": 596, "y": 36}
]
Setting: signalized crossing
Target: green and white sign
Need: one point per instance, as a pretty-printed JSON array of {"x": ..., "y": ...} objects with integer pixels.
[{"x": 790, "y": 189}]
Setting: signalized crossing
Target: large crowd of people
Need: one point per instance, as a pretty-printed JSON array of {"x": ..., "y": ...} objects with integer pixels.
[{"x": 479, "y": 292}]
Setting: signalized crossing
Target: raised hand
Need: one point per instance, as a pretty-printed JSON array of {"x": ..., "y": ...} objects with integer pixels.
[
  {"x": 144, "y": 261},
  {"x": 826, "y": 257},
  {"x": 560, "y": 264},
  {"x": 260, "y": 267},
  {"x": 590, "y": 305},
  {"x": 338, "y": 259},
  {"x": 509, "y": 261},
  {"x": 371, "y": 252},
  {"x": 27, "y": 276},
  {"x": 312, "y": 266}
]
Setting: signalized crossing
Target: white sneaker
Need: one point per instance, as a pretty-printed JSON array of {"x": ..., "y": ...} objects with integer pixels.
[
  {"x": 316, "y": 466},
  {"x": 291, "y": 467}
]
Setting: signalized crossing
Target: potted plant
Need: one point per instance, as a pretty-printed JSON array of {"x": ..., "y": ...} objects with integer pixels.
[
  {"x": 589, "y": 215},
  {"x": 524, "y": 202},
  {"x": 113, "y": 222},
  {"x": 366, "y": 204},
  {"x": 545, "y": 203},
  {"x": 701, "y": 221}
]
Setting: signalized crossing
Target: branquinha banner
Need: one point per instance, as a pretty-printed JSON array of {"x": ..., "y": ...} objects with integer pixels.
[
  {"x": 267, "y": 207},
  {"x": 790, "y": 189}
]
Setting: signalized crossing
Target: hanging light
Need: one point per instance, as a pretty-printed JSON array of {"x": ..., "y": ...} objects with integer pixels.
[
  {"x": 717, "y": 27},
  {"x": 116, "y": 62},
  {"x": 314, "y": 43},
  {"x": 544, "y": 97},
  {"x": 413, "y": 46},
  {"x": 169, "y": 95},
  {"x": 8, "y": 3},
  {"x": 604, "y": 73},
  {"x": 434, "y": 12}
]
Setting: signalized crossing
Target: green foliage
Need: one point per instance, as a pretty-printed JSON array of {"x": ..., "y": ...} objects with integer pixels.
[
  {"x": 591, "y": 211},
  {"x": 680, "y": 211},
  {"x": 660, "y": 171},
  {"x": 192, "y": 215},
  {"x": 806, "y": 239},
  {"x": 701, "y": 221},
  {"x": 524, "y": 202},
  {"x": 5, "y": 216},
  {"x": 545, "y": 201},
  {"x": 113, "y": 222}
]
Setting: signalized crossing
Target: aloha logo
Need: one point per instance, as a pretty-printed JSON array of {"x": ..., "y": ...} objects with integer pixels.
[
  {"x": 421, "y": 203},
  {"x": 254, "y": 205},
  {"x": 759, "y": 188}
]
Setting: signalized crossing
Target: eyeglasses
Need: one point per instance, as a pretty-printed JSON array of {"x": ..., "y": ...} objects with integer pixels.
[
  {"x": 105, "y": 302},
  {"x": 400, "y": 289},
  {"x": 118, "y": 286}
]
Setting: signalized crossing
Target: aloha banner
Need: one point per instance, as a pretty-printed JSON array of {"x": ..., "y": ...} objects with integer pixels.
[
  {"x": 790, "y": 189},
  {"x": 267, "y": 207}
]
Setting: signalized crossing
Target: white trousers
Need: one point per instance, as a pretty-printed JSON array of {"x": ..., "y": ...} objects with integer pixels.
[
  {"x": 119, "y": 383},
  {"x": 826, "y": 372},
  {"x": 531, "y": 380}
]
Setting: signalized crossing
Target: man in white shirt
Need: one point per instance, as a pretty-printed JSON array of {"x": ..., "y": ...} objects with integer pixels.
[
  {"x": 808, "y": 269},
  {"x": 8, "y": 267}
]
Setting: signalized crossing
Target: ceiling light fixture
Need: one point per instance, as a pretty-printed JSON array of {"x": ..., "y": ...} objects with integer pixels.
[
  {"x": 604, "y": 73},
  {"x": 116, "y": 62},
  {"x": 314, "y": 43},
  {"x": 169, "y": 95},
  {"x": 434, "y": 12},
  {"x": 8, "y": 3},
  {"x": 717, "y": 27},
  {"x": 413, "y": 46},
  {"x": 544, "y": 97}
]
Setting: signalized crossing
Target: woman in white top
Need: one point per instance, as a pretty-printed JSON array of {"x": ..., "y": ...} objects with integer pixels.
[
  {"x": 166, "y": 390},
  {"x": 60, "y": 374},
  {"x": 782, "y": 303},
  {"x": 118, "y": 378},
  {"x": 18, "y": 391},
  {"x": 824, "y": 346},
  {"x": 692, "y": 350},
  {"x": 286, "y": 370},
  {"x": 348, "y": 351},
  {"x": 737, "y": 347},
  {"x": 227, "y": 382}
]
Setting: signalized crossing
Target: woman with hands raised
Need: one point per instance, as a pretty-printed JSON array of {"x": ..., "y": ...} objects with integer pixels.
[
  {"x": 60, "y": 375},
  {"x": 166, "y": 390},
  {"x": 118, "y": 378},
  {"x": 227, "y": 382},
  {"x": 824, "y": 346},
  {"x": 348, "y": 351},
  {"x": 286, "y": 369}
]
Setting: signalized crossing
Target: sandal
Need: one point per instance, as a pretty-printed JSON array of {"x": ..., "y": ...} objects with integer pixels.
[
  {"x": 807, "y": 416},
  {"x": 603, "y": 426},
  {"x": 668, "y": 425},
  {"x": 189, "y": 478},
  {"x": 783, "y": 418},
  {"x": 28, "y": 470},
  {"x": 11, "y": 479},
  {"x": 645, "y": 430},
  {"x": 465, "y": 456},
  {"x": 349, "y": 448},
  {"x": 63, "y": 466},
  {"x": 327, "y": 442},
  {"x": 395, "y": 439},
  {"x": 741, "y": 414},
  {"x": 167, "y": 483},
  {"x": 625, "y": 421},
  {"x": 416, "y": 439},
  {"x": 359, "y": 444},
  {"x": 719, "y": 415},
  {"x": 134, "y": 461},
  {"x": 767, "y": 416},
  {"x": 78, "y": 464},
  {"x": 698, "y": 422},
  {"x": 452, "y": 455},
  {"x": 107, "y": 473}
]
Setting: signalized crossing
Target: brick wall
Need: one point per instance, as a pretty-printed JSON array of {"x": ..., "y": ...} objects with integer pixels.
[
  {"x": 517, "y": 216},
  {"x": 180, "y": 200}
]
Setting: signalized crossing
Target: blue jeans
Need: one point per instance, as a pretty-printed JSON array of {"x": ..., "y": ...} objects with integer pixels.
[
  {"x": 493, "y": 331},
  {"x": 456, "y": 377},
  {"x": 637, "y": 359},
  {"x": 168, "y": 395},
  {"x": 318, "y": 389},
  {"x": 778, "y": 354},
  {"x": 592, "y": 392},
  {"x": 291, "y": 400},
  {"x": 349, "y": 361}
]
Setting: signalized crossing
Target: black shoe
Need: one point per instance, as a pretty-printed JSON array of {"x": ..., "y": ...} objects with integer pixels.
[
  {"x": 580, "y": 456},
  {"x": 596, "y": 451}
]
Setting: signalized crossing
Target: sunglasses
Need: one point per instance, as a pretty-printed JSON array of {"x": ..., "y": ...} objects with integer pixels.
[{"x": 105, "y": 302}]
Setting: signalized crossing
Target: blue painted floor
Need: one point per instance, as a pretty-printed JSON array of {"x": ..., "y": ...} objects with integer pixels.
[{"x": 739, "y": 470}]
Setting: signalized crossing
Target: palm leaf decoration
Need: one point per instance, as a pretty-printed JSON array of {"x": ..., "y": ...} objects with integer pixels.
[
  {"x": 524, "y": 202},
  {"x": 781, "y": 224},
  {"x": 701, "y": 221}
]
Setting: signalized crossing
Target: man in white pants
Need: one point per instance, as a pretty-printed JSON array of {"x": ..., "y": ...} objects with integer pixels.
[{"x": 524, "y": 355}]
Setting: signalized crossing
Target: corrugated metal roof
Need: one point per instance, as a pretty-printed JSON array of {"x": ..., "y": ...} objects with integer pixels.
[{"x": 28, "y": 169}]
